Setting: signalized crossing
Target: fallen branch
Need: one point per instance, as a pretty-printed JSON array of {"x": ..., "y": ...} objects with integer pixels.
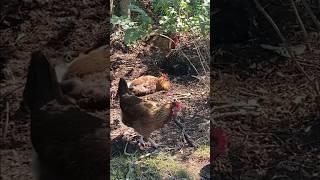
[
  {"x": 283, "y": 39},
  {"x": 299, "y": 67},
  {"x": 190, "y": 62},
  {"x": 236, "y": 113},
  {"x": 295, "y": 9},
  {"x": 235, "y": 105},
  {"x": 305, "y": 34},
  {"x": 312, "y": 15}
]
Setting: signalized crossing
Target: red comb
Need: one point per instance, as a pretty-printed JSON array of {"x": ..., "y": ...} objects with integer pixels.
[
  {"x": 179, "y": 104},
  {"x": 164, "y": 75},
  {"x": 221, "y": 141}
]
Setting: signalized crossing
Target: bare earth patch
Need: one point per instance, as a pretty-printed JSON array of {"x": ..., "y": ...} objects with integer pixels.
[{"x": 176, "y": 152}]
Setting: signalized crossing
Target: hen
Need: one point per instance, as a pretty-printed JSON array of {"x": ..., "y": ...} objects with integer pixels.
[
  {"x": 91, "y": 62},
  {"x": 68, "y": 143},
  {"x": 82, "y": 79},
  {"x": 144, "y": 116},
  {"x": 149, "y": 84},
  {"x": 165, "y": 43}
]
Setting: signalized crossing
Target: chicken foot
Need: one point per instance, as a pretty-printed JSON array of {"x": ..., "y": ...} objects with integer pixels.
[{"x": 143, "y": 143}]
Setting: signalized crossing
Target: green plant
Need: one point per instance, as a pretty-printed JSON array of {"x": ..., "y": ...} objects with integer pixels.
[
  {"x": 183, "y": 16},
  {"x": 135, "y": 28},
  {"x": 153, "y": 167},
  {"x": 174, "y": 16}
]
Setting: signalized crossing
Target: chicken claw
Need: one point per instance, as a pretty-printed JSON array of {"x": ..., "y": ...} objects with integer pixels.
[{"x": 141, "y": 142}]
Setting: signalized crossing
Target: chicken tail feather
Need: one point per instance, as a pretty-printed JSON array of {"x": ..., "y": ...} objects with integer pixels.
[
  {"x": 123, "y": 87},
  {"x": 42, "y": 85}
]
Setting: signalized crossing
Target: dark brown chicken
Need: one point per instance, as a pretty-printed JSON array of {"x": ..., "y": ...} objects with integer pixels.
[
  {"x": 149, "y": 84},
  {"x": 144, "y": 116},
  {"x": 165, "y": 43},
  {"x": 92, "y": 62},
  {"x": 68, "y": 143}
]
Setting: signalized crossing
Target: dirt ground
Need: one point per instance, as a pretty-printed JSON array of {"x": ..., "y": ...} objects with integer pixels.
[
  {"x": 270, "y": 114},
  {"x": 267, "y": 106},
  {"x": 62, "y": 29},
  {"x": 142, "y": 60}
]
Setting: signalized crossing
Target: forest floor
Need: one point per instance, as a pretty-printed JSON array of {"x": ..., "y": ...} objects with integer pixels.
[
  {"x": 63, "y": 30},
  {"x": 268, "y": 109},
  {"x": 177, "y": 159}
]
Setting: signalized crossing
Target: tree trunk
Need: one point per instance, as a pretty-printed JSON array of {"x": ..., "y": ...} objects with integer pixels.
[
  {"x": 122, "y": 8},
  {"x": 111, "y": 7}
]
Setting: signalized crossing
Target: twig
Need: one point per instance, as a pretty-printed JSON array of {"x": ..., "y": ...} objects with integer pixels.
[
  {"x": 280, "y": 177},
  {"x": 182, "y": 96},
  {"x": 125, "y": 150},
  {"x": 186, "y": 136},
  {"x": 305, "y": 34},
  {"x": 149, "y": 154},
  {"x": 162, "y": 35},
  {"x": 234, "y": 105},
  {"x": 202, "y": 61},
  {"x": 283, "y": 39},
  {"x": 190, "y": 62},
  {"x": 12, "y": 91},
  {"x": 236, "y": 113},
  {"x": 275, "y": 27},
  {"x": 310, "y": 12}
]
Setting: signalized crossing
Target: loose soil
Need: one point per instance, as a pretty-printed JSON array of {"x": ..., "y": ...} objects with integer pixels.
[
  {"x": 63, "y": 30},
  {"x": 142, "y": 60}
]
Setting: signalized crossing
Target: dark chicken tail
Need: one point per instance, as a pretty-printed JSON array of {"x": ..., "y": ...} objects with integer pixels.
[
  {"x": 122, "y": 88},
  {"x": 42, "y": 85}
]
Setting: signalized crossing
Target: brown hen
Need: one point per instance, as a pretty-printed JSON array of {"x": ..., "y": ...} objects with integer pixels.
[
  {"x": 144, "y": 116},
  {"x": 149, "y": 84}
]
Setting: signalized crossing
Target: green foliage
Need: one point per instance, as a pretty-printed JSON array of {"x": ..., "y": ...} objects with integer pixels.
[
  {"x": 182, "y": 16},
  {"x": 174, "y": 16},
  {"x": 122, "y": 21},
  {"x": 119, "y": 167},
  {"x": 136, "y": 28}
]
